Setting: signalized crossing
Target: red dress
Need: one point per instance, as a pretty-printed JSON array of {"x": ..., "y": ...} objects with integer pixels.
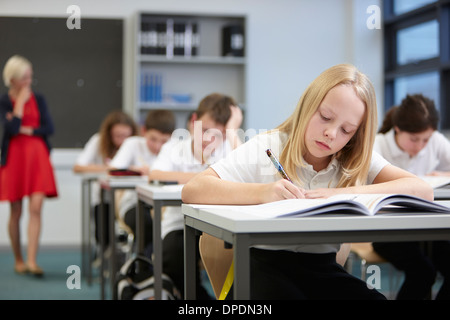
[{"x": 28, "y": 168}]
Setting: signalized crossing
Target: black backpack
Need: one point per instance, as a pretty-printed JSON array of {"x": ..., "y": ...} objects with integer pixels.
[{"x": 135, "y": 281}]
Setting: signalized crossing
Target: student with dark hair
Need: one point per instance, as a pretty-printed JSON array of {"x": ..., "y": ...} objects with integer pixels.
[
  {"x": 409, "y": 139},
  {"x": 103, "y": 145},
  {"x": 139, "y": 153},
  {"x": 98, "y": 152}
]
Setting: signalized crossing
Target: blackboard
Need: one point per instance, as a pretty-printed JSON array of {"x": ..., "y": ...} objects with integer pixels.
[{"x": 79, "y": 71}]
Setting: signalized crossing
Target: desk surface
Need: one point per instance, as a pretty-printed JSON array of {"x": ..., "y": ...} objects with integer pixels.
[
  {"x": 236, "y": 222},
  {"x": 167, "y": 192},
  {"x": 442, "y": 193},
  {"x": 122, "y": 182}
]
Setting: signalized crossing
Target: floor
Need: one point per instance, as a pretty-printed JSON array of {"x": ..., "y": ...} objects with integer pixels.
[
  {"x": 61, "y": 280},
  {"x": 64, "y": 281}
]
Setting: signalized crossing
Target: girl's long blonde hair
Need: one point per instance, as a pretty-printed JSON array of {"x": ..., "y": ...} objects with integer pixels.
[{"x": 355, "y": 157}]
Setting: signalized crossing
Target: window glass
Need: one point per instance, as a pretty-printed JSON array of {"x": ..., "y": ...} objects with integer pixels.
[
  {"x": 419, "y": 42},
  {"x": 402, "y": 6},
  {"x": 425, "y": 83}
]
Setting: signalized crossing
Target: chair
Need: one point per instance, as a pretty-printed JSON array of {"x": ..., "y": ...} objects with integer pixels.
[{"x": 217, "y": 261}]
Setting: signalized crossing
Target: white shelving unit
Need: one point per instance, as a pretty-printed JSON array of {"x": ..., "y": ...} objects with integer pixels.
[{"x": 189, "y": 76}]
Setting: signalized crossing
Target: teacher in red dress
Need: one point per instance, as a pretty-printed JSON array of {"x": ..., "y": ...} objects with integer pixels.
[{"x": 25, "y": 167}]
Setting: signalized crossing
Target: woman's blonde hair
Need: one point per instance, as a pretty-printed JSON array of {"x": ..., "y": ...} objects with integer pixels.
[
  {"x": 355, "y": 157},
  {"x": 15, "y": 68}
]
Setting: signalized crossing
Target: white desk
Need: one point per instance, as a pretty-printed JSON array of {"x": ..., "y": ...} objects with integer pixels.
[
  {"x": 158, "y": 197},
  {"x": 108, "y": 185},
  {"x": 442, "y": 193},
  {"x": 244, "y": 231}
]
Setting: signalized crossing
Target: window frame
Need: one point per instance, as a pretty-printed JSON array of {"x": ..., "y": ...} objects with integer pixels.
[{"x": 440, "y": 11}]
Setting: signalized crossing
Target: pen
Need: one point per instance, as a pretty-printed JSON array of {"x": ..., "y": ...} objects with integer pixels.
[{"x": 277, "y": 165}]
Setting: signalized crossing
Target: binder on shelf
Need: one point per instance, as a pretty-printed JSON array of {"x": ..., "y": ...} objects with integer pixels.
[
  {"x": 233, "y": 41},
  {"x": 148, "y": 37},
  {"x": 179, "y": 30},
  {"x": 151, "y": 87},
  {"x": 195, "y": 39},
  {"x": 161, "y": 29},
  {"x": 169, "y": 37}
]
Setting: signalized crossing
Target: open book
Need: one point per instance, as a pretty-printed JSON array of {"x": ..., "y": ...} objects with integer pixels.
[{"x": 366, "y": 204}]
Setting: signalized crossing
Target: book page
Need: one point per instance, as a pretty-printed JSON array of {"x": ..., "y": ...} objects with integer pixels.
[
  {"x": 293, "y": 207},
  {"x": 437, "y": 181},
  {"x": 370, "y": 201},
  {"x": 367, "y": 204}
]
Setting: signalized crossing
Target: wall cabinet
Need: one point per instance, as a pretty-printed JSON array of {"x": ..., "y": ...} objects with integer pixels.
[{"x": 181, "y": 58}]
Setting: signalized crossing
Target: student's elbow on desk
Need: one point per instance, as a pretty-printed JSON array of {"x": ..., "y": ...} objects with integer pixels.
[{"x": 402, "y": 181}]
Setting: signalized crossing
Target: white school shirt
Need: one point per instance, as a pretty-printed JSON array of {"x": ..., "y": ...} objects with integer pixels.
[
  {"x": 91, "y": 155},
  {"x": 250, "y": 163},
  {"x": 435, "y": 155},
  {"x": 178, "y": 156},
  {"x": 91, "y": 152},
  {"x": 133, "y": 152}
]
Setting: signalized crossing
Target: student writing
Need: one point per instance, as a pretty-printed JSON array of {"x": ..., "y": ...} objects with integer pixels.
[
  {"x": 409, "y": 139},
  {"x": 98, "y": 152},
  {"x": 325, "y": 147},
  {"x": 103, "y": 145}
]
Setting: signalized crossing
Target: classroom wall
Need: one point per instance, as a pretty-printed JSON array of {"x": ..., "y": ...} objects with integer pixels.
[{"x": 289, "y": 42}]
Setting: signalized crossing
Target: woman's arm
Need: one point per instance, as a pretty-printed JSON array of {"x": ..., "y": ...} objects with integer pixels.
[
  {"x": 390, "y": 179},
  {"x": 46, "y": 127},
  {"x": 208, "y": 188},
  {"x": 8, "y": 120}
]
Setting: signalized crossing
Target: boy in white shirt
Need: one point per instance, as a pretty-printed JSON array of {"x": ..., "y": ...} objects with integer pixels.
[
  {"x": 214, "y": 135},
  {"x": 138, "y": 153}
]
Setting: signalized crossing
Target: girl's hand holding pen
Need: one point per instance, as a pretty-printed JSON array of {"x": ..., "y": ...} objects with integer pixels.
[
  {"x": 281, "y": 190},
  {"x": 324, "y": 192}
]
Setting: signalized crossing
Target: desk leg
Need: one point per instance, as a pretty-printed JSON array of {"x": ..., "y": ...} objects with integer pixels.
[
  {"x": 157, "y": 249},
  {"x": 101, "y": 229},
  {"x": 140, "y": 231},
  {"x": 190, "y": 263},
  {"x": 85, "y": 261},
  {"x": 241, "y": 282},
  {"x": 89, "y": 223},
  {"x": 112, "y": 243}
]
